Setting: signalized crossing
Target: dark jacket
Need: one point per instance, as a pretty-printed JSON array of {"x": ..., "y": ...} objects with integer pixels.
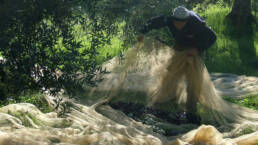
[{"x": 195, "y": 33}]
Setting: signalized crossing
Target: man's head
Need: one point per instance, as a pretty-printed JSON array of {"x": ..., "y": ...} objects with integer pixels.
[{"x": 180, "y": 14}]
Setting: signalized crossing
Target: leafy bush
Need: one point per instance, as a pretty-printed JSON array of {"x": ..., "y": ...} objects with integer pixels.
[{"x": 39, "y": 48}]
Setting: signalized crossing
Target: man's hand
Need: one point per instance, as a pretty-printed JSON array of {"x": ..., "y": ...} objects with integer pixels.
[
  {"x": 140, "y": 38},
  {"x": 192, "y": 52}
]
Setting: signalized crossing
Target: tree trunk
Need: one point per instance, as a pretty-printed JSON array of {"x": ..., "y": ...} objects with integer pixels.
[
  {"x": 255, "y": 4},
  {"x": 243, "y": 33},
  {"x": 241, "y": 12}
]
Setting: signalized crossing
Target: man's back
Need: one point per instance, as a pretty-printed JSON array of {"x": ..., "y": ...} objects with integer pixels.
[{"x": 194, "y": 34}]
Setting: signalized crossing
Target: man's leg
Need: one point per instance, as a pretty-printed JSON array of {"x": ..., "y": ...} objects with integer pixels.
[
  {"x": 194, "y": 83},
  {"x": 169, "y": 88}
]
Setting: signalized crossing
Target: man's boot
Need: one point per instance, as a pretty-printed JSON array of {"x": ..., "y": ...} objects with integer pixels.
[{"x": 193, "y": 118}]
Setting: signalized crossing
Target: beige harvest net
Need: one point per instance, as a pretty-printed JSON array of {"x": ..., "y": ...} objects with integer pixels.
[{"x": 170, "y": 74}]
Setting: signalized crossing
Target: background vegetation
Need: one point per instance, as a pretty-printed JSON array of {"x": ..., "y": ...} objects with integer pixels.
[{"x": 59, "y": 45}]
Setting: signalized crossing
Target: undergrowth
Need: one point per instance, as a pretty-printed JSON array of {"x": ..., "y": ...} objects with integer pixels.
[
  {"x": 36, "y": 99},
  {"x": 232, "y": 53}
]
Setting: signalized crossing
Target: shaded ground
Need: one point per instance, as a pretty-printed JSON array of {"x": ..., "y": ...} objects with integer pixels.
[{"x": 153, "y": 117}]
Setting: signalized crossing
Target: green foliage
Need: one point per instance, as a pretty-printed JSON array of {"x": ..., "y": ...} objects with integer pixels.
[
  {"x": 24, "y": 118},
  {"x": 37, "y": 99},
  {"x": 39, "y": 48},
  {"x": 130, "y": 12},
  {"x": 245, "y": 131},
  {"x": 50, "y": 44},
  {"x": 232, "y": 53},
  {"x": 250, "y": 101},
  {"x": 29, "y": 32}
]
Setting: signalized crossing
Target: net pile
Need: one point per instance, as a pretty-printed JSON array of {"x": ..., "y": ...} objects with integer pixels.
[
  {"x": 161, "y": 73},
  {"x": 24, "y": 124},
  {"x": 144, "y": 69}
]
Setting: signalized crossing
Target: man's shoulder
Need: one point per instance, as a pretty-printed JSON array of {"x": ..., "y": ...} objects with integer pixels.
[{"x": 196, "y": 19}]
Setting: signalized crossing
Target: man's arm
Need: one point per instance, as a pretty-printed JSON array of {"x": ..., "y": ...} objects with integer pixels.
[
  {"x": 153, "y": 23},
  {"x": 205, "y": 37}
]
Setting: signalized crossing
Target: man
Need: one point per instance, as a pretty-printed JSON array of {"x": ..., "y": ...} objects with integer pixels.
[{"x": 192, "y": 37}]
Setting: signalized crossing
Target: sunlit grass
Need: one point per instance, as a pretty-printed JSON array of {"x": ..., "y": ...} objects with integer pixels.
[
  {"x": 256, "y": 40},
  {"x": 106, "y": 51},
  {"x": 249, "y": 102},
  {"x": 36, "y": 99},
  {"x": 224, "y": 55}
]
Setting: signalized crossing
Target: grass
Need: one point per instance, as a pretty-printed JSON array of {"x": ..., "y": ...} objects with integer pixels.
[
  {"x": 37, "y": 99},
  {"x": 115, "y": 47},
  {"x": 22, "y": 116},
  {"x": 249, "y": 101},
  {"x": 229, "y": 54}
]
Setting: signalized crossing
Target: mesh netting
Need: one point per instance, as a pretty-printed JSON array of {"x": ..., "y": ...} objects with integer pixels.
[
  {"x": 175, "y": 77},
  {"x": 164, "y": 75}
]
